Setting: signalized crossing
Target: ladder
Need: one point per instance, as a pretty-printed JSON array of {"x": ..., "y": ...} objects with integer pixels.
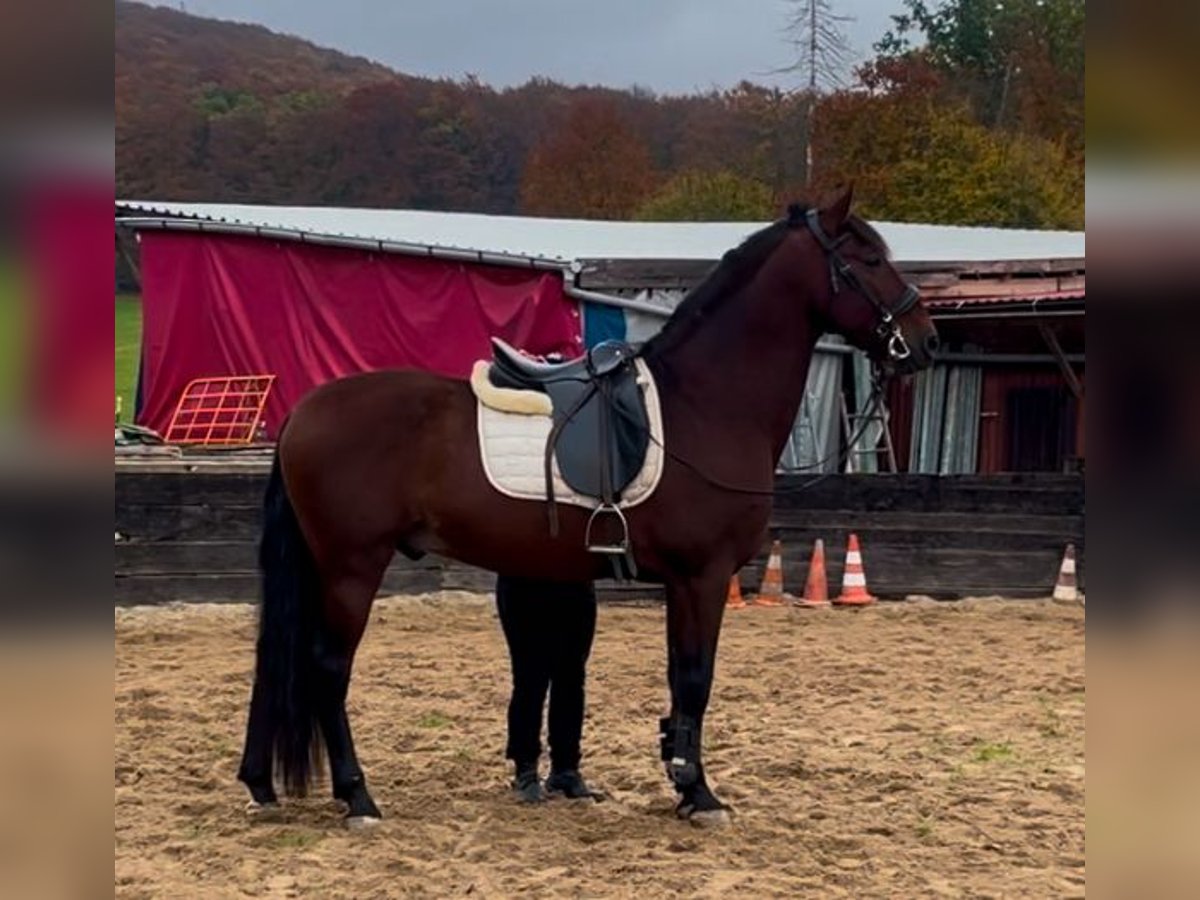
[{"x": 851, "y": 422}]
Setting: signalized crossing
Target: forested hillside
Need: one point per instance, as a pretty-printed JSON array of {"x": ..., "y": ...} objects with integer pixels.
[{"x": 982, "y": 125}]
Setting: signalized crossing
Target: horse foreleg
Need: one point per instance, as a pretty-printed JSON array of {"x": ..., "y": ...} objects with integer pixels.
[{"x": 694, "y": 609}]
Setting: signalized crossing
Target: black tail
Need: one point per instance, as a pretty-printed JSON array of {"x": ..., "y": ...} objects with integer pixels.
[{"x": 286, "y": 637}]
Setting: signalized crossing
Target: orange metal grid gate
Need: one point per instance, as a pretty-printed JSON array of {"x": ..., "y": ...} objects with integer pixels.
[{"x": 226, "y": 410}]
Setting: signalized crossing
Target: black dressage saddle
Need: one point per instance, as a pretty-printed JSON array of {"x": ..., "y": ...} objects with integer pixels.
[{"x": 601, "y": 430}]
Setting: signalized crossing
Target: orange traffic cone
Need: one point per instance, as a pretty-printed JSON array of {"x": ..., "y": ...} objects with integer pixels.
[
  {"x": 733, "y": 599},
  {"x": 854, "y": 580},
  {"x": 771, "y": 592},
  {"x": 816, "y": 589},
  {"x": 1064, "y": 589}
]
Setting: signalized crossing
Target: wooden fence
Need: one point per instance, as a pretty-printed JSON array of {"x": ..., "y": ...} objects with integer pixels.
[{"x": 187, "y": 531}]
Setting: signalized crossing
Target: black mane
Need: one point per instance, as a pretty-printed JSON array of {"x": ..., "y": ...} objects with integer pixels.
[{"x": 737, "y": 267}]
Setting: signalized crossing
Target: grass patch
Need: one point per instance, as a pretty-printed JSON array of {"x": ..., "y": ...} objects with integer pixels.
[
  {"x": 222, "y": 745},
  {"x": 985, "y": 752},
  {"x": 293, "y": 840},
  {"x": 127, "y": 332},
  {"x": 433, "y": 720},
  {"x": 925, "y": 829},
  {"x": 15, "y": 328},
  {"x": 1051, "y": 725},
  {"x": 14, "y": 337}
]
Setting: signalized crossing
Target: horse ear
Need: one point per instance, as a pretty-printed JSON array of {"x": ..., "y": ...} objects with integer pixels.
[{"x": 839, "y": 210}]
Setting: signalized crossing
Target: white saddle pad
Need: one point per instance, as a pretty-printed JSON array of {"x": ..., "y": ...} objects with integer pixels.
[{"x": 513, "y": 449}]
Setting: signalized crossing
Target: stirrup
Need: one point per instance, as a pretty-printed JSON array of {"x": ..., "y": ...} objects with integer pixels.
[{"x": 619, "y": 549}]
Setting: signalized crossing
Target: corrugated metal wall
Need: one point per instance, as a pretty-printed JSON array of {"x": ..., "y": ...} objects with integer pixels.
[
  {"x": 944, "y": 432},
  {"x": 816, "y": 437}
]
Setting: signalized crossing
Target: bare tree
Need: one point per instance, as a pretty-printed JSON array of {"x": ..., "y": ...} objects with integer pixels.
[{"x": 821, "y": 56}]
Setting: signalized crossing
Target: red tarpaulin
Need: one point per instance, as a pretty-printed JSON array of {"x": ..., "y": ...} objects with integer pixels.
[
  {"x": 231, "y": 305},
  {"x": 70, "y": 312}
]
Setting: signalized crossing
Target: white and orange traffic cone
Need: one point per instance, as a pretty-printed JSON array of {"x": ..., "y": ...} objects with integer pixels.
[
  {"x": 733, "y": 597},
  {"x": 854, "y": 579},
  {"x": 771, "y": 591},
  {"x": 816, "y": 588},
  {"x": 1065, "y": 590}
]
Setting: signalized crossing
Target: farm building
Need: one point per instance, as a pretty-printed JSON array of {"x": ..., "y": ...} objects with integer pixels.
[
  {"x": 986, "y": 445},
  {"x": 309, "y": 294}
]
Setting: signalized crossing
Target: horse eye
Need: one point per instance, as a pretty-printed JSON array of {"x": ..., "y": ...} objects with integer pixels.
[{"x": 874, "y": 261}]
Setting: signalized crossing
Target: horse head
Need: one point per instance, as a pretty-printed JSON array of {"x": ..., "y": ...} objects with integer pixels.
[{"x": 866, "y": 300}]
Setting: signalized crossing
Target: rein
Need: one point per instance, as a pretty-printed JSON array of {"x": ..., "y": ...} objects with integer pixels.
[{"x": 877, "y": 387}]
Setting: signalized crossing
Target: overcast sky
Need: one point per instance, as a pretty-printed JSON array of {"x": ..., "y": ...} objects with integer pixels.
[{"x": 670, "y": 46}]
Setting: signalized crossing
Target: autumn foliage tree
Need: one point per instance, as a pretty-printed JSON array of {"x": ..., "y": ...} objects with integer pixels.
[
  {"x": 1017, "y": 64},
  {"x": 972, "y": 115},
  {"x": 916, "y": 156},
  {"x": 697, "y": 196},
  {"x": 592, "y": 166}
]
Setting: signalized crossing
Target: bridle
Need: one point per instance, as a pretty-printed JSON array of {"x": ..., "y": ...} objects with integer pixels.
[
  {"x": 887, "y": 329},
  {"x": 840, "y": 270}
]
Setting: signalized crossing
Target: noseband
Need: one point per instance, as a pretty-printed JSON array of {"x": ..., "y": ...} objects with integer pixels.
[{"x": 840, "y": 270}]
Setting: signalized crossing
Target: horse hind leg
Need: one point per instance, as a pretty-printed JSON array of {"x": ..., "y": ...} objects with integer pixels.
[
  {"x": 348, "y": 605},
  {"x": 311, "y": 619},
  {"x": 256, "y": 768},
  {"x": 280, "y": 727}
]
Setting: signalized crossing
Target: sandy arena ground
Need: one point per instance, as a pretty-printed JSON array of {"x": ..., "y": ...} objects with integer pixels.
[{"x": 905, "y": 750}]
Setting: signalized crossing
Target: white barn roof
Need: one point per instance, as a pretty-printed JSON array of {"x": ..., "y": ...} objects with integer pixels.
[{"x": 567, "y": 241}]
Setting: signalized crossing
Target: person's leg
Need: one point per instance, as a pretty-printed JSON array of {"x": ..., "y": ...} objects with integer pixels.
[
  {"x": 520, "y": 617},
  {"x": 574, "y": 623}
]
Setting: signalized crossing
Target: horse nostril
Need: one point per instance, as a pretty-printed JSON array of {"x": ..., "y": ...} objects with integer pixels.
[{"x": 931, "y": 344}]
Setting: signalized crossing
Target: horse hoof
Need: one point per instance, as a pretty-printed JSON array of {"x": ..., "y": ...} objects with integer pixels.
[
  {"x": 711, "y": 818},
  {"x": 362, "y": 823},
  {"x": 264, "y": 812}
]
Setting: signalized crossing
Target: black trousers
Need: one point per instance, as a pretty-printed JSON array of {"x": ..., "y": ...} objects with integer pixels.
[{"x": 549, "y": 627}]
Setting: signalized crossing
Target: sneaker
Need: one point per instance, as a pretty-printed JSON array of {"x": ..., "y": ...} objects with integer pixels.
[
  {"x": 527, "y": 787},
  {"x": 571, "y": 785}
]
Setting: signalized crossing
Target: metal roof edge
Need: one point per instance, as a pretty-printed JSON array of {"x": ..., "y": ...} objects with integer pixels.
[
  {"x": 1024, "y": 307},
  {"x": 135, "y": 213},
  {"x": 166, "y": 220},
  {"x": 164, "y": 205}
]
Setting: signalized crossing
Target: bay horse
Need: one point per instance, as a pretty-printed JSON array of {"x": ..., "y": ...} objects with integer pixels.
[{"x": 389, "y": 460}]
